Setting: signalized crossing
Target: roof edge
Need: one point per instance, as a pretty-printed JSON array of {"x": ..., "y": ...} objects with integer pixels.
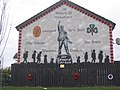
[{"x": 58, "y": 4}]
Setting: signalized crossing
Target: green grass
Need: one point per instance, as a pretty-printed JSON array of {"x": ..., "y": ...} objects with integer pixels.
[{"x": 72, "y": 88}]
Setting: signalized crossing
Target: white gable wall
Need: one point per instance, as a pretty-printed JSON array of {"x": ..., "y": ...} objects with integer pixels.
[{"x": 76, "y": 24}]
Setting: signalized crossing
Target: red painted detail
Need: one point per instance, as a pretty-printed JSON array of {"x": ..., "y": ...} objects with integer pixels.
[
  {"x": 19, "y": 58},
  {"x": 20, "y": 34},
  {"x": 29, "y": 76},
  {"x": 38, "y": 17},
  {"x": 86, "y": 13},
  {"x": 111, "y": 39},
  {"x": 111, "y": 54},
  {"x": 34, "y": 20},
  {"x": 97, "y": 18},
  {"x": 110, "y": 30},
  {"x": 59, "y": 5},
  {"x": 19, "y": 40},
  {"x": 105, "y": 22},
  {"x": 111, "y": 42},
  {"x": 28, "y": 23},
  {"x": 110, "y": 26},
  {"x": 75, "y": 8},
  {"x": 64, "y": 2},
  {"x": 19, "y": 51},
  {"x": 67, "y": 4},
  {"x": 83, "y": 12},
  {"x": 19, "y": 48},
  {"x": 76, "y": 75},
  {"x": 91, "y": 15},
  {"x": 18, "y": 54},
  {"x": 111, "y": 49},
  {"x": 72, "y": 6},
  {"x": 20, "y": 37},
  {"x": 31, "y": 21},
  {"x": 94, "y": 17},
  {"x": 21, "y": 27},
  {"x": 18, "y": 61},
  {"x": 102, "y": 21},
  {"x": 110, "y": 35},
  {"x": 42, "y": 15}
]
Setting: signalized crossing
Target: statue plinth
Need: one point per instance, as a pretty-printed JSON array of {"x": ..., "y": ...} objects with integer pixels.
[{"x": 63, "y": 58}]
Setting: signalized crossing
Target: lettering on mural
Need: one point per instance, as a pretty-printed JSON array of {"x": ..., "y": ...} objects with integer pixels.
[
  {"x": 49, "y": 50},
  {"x": 35, "y": 42},
  {"x": 64, "y": 13},
  {"x": 92, "y": 42},
  {"x": 49, "y": 31},
  {"x": 76, "y": 30},
  {"x": 75, "y": 50}
]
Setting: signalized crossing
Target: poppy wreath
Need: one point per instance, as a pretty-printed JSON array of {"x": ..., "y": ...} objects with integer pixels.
[
  {"x": 29, "y": 76},
  {"x": 110, "y": 76},
  {"x": 76, "y": 75}
]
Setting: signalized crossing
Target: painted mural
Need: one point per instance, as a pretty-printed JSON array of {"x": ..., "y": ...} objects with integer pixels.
[{"x": 65, "y": 36}]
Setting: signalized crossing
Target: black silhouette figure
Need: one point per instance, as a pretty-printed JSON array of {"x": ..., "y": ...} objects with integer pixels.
[
  {"x": 78, "y": 59},
  {"x": 63, "y": 39},
  {"x": 34, "y": 56},
  {"x": 93, "y": 55},
  {"x": 52, "y": 59},
  {"x": 100, "y": 56},
  {"x": 86, "y": 57},
  {"x": 39, "y": 57},
  {"x": 25, "y": 56},
  {"x": 107, "y": 60},
  {"x": 45, "y": 59}
]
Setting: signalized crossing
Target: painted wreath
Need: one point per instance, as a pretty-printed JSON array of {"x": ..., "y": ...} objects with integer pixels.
[
  {"x": 110, "y": 76},
  {"x": 76, "y": 75},
  {"x": 29, "y": 76}
]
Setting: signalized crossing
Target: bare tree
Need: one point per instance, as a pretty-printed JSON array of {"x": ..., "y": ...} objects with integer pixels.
[
  {"x": 5, "y": 28},
  {"x": 5, "y": 25}
]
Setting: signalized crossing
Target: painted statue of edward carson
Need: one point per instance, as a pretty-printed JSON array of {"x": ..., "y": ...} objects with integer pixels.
[{"x": 63, "y": 39}]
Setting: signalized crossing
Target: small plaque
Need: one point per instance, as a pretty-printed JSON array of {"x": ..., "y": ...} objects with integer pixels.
[{"x": 63, "y": 58}]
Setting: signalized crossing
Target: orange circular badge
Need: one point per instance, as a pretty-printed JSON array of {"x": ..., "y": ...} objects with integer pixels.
[{"x": 36, "y": 31}]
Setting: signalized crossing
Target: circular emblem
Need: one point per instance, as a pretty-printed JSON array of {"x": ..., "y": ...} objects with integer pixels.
[
  {"x": 110, "y": 76},
  {"x": 36, "y": 31}
]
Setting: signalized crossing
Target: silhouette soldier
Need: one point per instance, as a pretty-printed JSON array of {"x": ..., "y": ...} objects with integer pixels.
[
  {"x": 25, "y": 56},
  {"x": 78, "y": 59},
  {"x": 107, "y": 60},
  {"x": 34, "y": 56},
  {"x": 100, "y": 56},
  {"x": 39, "y": 57},
  {"x": 45, "y": 59},
  {"x": 93, "y": 55},
  {"x": 52, "y": 59},
  {"x": 86, "y": 56}
]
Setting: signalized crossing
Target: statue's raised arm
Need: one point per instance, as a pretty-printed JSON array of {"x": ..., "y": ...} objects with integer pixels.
[{"x": 59, "y": 26}]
